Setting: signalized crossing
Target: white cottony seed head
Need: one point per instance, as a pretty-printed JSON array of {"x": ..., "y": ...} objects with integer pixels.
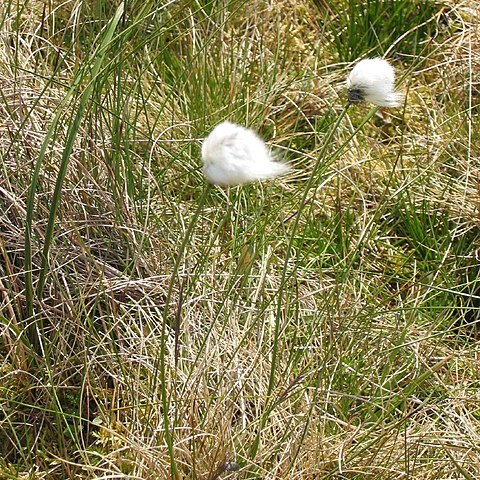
[
  {"x": 234, "y": 155},
  {"x": 373, "y": 80}
]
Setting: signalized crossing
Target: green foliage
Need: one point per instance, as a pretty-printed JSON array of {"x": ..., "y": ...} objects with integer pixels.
[{"x": 374, "y": 26}]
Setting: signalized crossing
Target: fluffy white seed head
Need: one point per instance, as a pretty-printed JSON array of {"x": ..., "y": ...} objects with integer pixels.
[
  {"x": 373, "y": 80},
  {"x": 233, "y": 155}
]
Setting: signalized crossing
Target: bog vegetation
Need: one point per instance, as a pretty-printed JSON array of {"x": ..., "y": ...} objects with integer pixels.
[{"x": 318, "y": 326}]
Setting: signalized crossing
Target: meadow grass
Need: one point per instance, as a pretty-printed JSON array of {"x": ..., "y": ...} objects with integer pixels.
[{"x": 319, "y": 326}]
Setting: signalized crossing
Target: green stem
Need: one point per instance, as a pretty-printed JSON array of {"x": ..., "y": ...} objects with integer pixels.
[
  {"x": 162, "y": 365},
  {"x": 283, "y": 280},
  {"x": 296, "y": 223}
]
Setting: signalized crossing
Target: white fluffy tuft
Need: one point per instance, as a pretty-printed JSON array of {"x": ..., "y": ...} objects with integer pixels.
[
  {"x": 373, "y": 80},
  {"x": 234, "y": 155}
]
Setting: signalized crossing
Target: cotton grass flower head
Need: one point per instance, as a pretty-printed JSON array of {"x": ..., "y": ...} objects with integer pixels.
[
  {"x": 234, "y": 155},
  {"x": 373, "y": 80}
]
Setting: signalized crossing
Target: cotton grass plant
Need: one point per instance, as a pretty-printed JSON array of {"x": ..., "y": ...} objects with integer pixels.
[
  {"x": 373, "y": 80},
  {"x": 310, "y": 326},
  {"x": 234, "y": 155}
]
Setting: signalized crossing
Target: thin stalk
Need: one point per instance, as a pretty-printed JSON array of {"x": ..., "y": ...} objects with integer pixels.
[
  {"x": 163, "y": 338},
  {"x": 296, "y": 223},
  {"x": 283, "y": 280}
]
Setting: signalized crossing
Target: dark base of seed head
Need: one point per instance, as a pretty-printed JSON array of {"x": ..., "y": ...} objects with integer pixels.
[{"x": 355, "y": 95}]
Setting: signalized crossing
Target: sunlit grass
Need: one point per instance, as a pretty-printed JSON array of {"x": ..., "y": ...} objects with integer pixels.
[{"x": 317, "y": 326}]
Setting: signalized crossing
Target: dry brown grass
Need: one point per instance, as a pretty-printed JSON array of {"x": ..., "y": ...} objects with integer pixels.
[{"x": 376, "y": 376}]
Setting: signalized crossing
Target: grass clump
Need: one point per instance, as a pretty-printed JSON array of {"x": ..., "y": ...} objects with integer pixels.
[{"x": 320, "y": 326}]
